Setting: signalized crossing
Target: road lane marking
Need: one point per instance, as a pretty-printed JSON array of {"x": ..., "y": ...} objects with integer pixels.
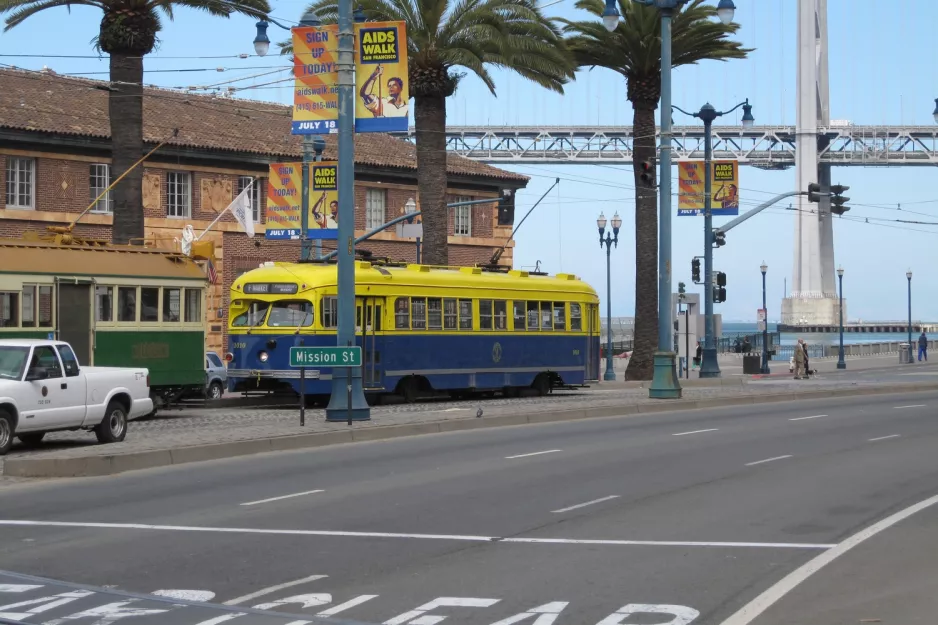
[
  {"x": 270, "y": 589},
  {"x": 536, "y": 453},
  {"x": 342, "y": 607},
  {"x": 200, "y": 596},
  {"x": 752, "y": 464},
  {"x": 339, "y": 533},
  {"x": 695, "y": 432},
  {"x": 308, "y": 492},
  {"x": 764, "y": 601},
  {"x": 817, "y": 416},
  {"x": 882, "y": 438},
  {"x": 583, "y": 505},
  {"x": 913, "y": 406}
]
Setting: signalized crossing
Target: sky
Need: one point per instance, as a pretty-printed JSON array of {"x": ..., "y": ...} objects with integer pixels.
[{"x": 883, "y": 71}]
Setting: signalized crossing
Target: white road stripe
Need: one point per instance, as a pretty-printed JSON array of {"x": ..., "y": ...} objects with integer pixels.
[
  {"x": 469, "y": 538},
  {"x": 536, "y": 453},
  {"x": 752, "y": 464},
  {"x": 308, "y": 492},
  {"x": 882, "y": 438},
  {"x": 351, "y": 603},
  {"x": 583, "y": 505},
  {"x": 695, "y": 432},
  {"x": 270, "y": 589},
  {"x": 764, "y": 601},
  {"x": 817, "y": 416},
  {"x": 913, "y": 406}
]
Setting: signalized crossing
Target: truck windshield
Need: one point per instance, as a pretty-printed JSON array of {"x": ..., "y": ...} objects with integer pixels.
[
  {"x": 12, "y": 361},
  {"x": 253, "y": 316}
]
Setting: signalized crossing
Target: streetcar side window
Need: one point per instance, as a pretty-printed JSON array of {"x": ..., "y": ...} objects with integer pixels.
[
  {"x": 193, "y": 305},
  {"x": 126, "y": 303},
  {"x": 533, "y": 313},
  {"x": 418, "y": 310},
  {"x": 9, "y": 310},
  {"x": 171, "y": 305},
  {"x": 29, "y": 306},
  {"x": 560, "y": 318},
  {"x": 149, "y": 304},
  {"x": 434, "y": 313},
  {"x": 546, "y": 323},
  {"x": 576, "y": 320},
  {"x": 104, "y": 303},
  {"x": 518, "y": 312},
  {"x": 485, "y": 314},
  {"x": 465, "y": 314},
  {"x": 402, "y": 313},
  {"x": 501, "y": 315},
  {"x": 449, "y": 314},
  {"x": 329, "y": 312}
]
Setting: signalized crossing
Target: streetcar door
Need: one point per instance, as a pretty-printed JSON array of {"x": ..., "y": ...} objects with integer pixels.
[
  {"x": 73, "y": 321},
  {"x": 369, "y": 311},
  {"x": 592, "y": 344}
]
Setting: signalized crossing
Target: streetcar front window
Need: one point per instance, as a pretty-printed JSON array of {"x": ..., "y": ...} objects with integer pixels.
[
  {"x": 298, "y": 314},
  {"x": 253, "y": 316}
]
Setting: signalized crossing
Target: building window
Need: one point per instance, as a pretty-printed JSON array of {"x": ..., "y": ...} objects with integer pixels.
[
  {"x": 29, "y": 306},
  {"x": 254, "y": 195},
  {"x": 45, "y": 306},
  {"x": 99, "y": 179},
  {"x": 462, "y": 217},
  {"x": 178, "y": 194},
  {"x": 21, "y": 182},
  {"x": 9, "y": 310},
  {"x": 375, "y": 201}
]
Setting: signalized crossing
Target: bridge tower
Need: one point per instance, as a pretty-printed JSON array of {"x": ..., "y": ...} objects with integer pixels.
[{"x": 813, "y": 298}]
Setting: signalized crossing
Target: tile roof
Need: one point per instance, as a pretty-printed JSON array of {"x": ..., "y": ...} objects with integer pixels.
[{"x": 47, "y": 102}]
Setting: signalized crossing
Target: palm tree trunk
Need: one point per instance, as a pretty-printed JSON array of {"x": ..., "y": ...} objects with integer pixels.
[
  {"x": 125, "y": 108},
  {"x": 641, "y": 363},
  {"x": 430, "y": 122}
]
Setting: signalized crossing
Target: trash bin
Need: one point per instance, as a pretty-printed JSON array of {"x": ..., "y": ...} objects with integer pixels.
[
  {"x": 904, "y": 354},
  {"x": 752, "y": 363}
]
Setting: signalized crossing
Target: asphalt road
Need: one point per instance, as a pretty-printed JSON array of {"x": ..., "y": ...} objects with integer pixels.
[{"x": 665, "y": 519}]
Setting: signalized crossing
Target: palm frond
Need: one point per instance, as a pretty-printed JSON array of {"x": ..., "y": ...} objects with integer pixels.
[
  {"x": 221, "y": 8},
  {"x": 19, "y": 10}
]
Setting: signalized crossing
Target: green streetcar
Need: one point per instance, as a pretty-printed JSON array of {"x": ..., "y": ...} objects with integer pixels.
[{"x": 118, "y": 306}]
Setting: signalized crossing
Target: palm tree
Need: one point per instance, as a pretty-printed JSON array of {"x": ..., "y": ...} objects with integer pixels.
[
  {"x": 128, "y": 32},
  {"x": 472, "y": 34},
  {"x": 634, "y": 51}
]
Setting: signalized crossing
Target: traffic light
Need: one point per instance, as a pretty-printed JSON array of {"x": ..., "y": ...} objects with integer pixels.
[
  {"x": 695, "y": 270},
  {"x": 721, "y": 278},
  {"x": 681, "y": 288},
  {"x": 814, "y": 192},
  {"x": 719, "y": 295},
  {"x": 648, "y": 173},
  {"x": 719, "y": 238},
  {"x": 506, "y": 208},
  {"x": 838, "y": 200}
]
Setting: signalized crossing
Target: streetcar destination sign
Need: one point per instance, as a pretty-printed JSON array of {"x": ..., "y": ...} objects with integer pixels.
[{"x": 326, "y": 356}]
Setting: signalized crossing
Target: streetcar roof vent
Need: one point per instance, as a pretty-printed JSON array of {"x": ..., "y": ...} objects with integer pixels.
[
  {"x": 518, "y": 273},
  {"x": 419, "y": 267},
  {"x": 471, "y": 270},
  {"x": 565, "y": 276},
  {"x": 363, "y": 264}
]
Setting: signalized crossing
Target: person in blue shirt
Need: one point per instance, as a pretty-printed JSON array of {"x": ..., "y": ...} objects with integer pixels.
[{"x": 923, "y": 347}]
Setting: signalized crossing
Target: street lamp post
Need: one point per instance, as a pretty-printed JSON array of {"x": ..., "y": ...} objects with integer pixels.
[
  {"x": 609, "y": 241},
  {"x": 347, "y": 401},
  {"x": 841, "y": 363},
  {"x": 710, "y": 367},
  {"x": 665, "y": 384},
  {"x": 765, "y": 325},
  {"x": 908, "y": 275}
]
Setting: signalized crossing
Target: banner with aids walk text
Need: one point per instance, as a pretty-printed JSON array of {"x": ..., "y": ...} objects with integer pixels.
[
  {"x": 724, "y": 187},
  {"x": 382, "y": 93},
  {"x": 323, "y": 200}
]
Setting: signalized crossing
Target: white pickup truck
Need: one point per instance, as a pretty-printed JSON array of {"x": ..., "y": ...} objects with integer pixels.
[{"x": 43, "y": 389}]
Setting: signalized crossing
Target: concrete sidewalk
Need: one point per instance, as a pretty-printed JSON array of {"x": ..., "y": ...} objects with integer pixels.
[{"x": 199, "y": 433}]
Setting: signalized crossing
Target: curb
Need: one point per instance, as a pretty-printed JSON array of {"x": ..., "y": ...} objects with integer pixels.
[{"x": 92, "y": 466}]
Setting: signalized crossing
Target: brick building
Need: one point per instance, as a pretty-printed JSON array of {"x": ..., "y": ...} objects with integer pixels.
[{"x": 55, "y": 155}]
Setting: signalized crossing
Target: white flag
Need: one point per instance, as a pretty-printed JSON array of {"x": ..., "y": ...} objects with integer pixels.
[{"x": 242, "y": 210}]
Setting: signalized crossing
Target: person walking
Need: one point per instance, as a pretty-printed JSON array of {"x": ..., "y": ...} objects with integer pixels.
[
  {"x": 922, "y": 347},
  {"x": 799, "y": 359},
  {"x": 807, "y": 365},
  {"x": 698, "y": 356}
]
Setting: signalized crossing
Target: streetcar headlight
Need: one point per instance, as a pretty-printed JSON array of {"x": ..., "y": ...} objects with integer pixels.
[{"x": 263, "y": 356}]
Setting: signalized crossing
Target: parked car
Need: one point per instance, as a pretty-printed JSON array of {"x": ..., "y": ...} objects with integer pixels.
[
  {"x": 44, "y": 389},
  {"x": 216, "y": 376}
]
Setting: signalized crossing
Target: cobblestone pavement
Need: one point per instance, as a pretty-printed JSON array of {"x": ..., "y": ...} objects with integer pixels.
[{"x": 198, "y": 424}]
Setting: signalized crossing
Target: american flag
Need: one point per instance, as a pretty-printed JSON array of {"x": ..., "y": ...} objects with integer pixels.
[{"x": 210, "y": 271}]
